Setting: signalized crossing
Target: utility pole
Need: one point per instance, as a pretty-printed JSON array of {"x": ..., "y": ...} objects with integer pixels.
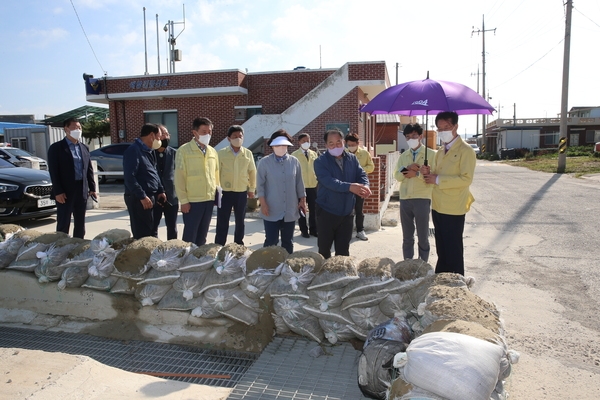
[
  {"x": 483, "y": 31},
  {"x": 562, "y": 142},
  {"x": 398, "y": 66},
  {"x": 477, "y": 116}
]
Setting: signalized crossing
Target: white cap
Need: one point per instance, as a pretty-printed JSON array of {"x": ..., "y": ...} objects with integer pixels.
[{"x": 281, "y": 141}]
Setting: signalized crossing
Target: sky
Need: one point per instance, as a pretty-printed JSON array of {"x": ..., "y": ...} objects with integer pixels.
[{"x": 49, "y": 44}]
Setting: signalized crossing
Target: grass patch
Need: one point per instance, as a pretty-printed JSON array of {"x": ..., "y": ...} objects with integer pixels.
[{"x": 578, "y": 166}]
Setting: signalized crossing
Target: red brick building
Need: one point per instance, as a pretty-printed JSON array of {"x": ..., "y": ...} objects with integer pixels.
[{"x": 301, "y": 100}]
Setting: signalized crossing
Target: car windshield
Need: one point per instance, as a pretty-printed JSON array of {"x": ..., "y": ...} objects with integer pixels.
[
  {"x": 474, "y": 146},
  {"x": 15, "y": 151},
  {"x": 6, "y": 164}
]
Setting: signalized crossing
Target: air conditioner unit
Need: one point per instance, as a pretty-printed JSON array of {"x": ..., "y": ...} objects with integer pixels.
[{"x": 177, "y": 55}]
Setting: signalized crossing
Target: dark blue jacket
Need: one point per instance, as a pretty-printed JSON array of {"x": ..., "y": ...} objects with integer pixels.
[
  {"x": 333, "y": 190},
  {"x": 167, "y": 178},
  {"x": 139, "y": 171}
]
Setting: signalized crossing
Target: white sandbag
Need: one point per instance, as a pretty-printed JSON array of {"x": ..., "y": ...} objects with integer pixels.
[
  {"x": 291, "y": 283},
  {"x": 10, "y": 247},
  {"x": 248, "y": 302},
  {"x": 103, "y": 285},
  {"x": 308, "y": 327},
  {"x": 333, "y": 314},
  {"x": 335, "y": 331},
  {"x": 367, "y": 318},
  {"x": 205, "y": 310},
  {"x": 53, "y": 257},
  {"x": 335, "y": 273},
  {"x": 241, "y": 314},
  {"x": 151, "y": 294},
  {"x": 107, "y": 238},
  {"x": 190, "y": 283},
  {"x": 280, "y": 325},
  {"x": 173, "y": 300},
  {"x": 459, "y": 367},
  {"x": 374, "y": 274},
  {"x": 124, "y": 286},
  {"x": 221, "y": 299},
  {"x": 195, "y": 262},
  {"x": 103, "y": 263},
  {"x": 169, "y": 255},
  {"x": 257, "y": 281},
  {"x": 157, "y": 277},
  {"x": 325, "y": 299},
  {"x": 392, "y": 305},
  {"x": 365, "y": 300},
  {"x": 73, "y": 277}
]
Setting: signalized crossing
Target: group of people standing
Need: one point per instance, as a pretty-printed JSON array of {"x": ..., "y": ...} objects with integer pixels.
[
  {"x": 436, "y": 182},
  {"x": 324, "y": 193},
  {"x": 329, "y": 184}
]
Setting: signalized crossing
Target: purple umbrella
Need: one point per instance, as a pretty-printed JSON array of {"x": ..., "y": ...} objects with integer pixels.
[{"x": 426, "y": 97}]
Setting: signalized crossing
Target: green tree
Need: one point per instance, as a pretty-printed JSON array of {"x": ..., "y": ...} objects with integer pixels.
[{"x": 95, "y": 128}]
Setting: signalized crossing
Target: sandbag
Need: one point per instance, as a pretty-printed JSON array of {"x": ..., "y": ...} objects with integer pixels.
[
  {"x": 241, "y": 314},
  {"x": 374, "y": 274},
  {"x": 124, "y": 286},
  {"x": 160, "y": 277},
  {"x": 132, "y": 262},
  {"x": 266, "y": 258},
  {"x": 292, "y": 283},
  {"x": 367, "y": 318},
  {"x": 456, "y": 366},
  {"x": 375, "y": 369},
  {"x": 9, "y": 248},
  {"x": 103, "y": 263},
  {"x": 325, "y": 299},
  {"x": 189, "y": 283},
  {"x": 103, "y": 285},
  {"x": 108, "y": 238},
  {"x": 335, "y": 331},
  {"x": 333, "y": 314},
  {"x": 200, "y": 258},
  {"x": 73, "y": 277},
  {"x": 256, "y": 282},
  {"x": 308, "y": 327},
  {"x": 335, "y": 273},
  {"x": 173, "y": 300},
  {"x": 53, "y": 257},
  {"x": 151, "y": 294},
  {"x": 169, "y": 255},
  {"x": 365, "y": 300},
  {"x": 80, "y": 256},
  {"x": 221, "y": 299}
]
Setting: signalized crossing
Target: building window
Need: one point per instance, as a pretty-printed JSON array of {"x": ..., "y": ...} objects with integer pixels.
[
  {"x": 169, "y": 119},
  {"x": 243, "y": 113},
  {"x": 20, "y": 143},
  {"x": 592, "y": 136},
  {"x": 551, "y": 138}
]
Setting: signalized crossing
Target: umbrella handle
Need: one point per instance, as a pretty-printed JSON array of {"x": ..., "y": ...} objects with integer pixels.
[{"x": 425, "y": 163}]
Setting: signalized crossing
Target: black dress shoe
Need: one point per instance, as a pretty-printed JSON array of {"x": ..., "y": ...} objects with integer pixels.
[
  {"x": 314, "y": 234},
  {"x": 305, "y": 235}
]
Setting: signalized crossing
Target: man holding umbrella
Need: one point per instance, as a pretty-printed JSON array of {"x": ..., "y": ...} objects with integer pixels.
[{"x": 451, "y": 199}]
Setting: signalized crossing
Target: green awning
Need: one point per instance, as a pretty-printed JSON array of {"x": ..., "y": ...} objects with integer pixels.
[{"x": 78, "y": 113}]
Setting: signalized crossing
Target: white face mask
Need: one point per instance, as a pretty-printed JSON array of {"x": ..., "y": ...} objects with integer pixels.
[
  {"x": 204, "y": 139},
  {"x": 446, "y": 136},
  {"x": 305, "y": 146},
  {"x": 237, "y": 142},
  {"x": 156, "y": 144},
  {"x": 413, "y": 143},
  {"x": 75, "y": 134},
  {"x": 280, "y": 150},
  {"x": 352, "y": 149},
  {"x": 336, "y": 152}
]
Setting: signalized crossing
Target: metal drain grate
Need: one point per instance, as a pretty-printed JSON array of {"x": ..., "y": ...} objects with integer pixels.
[
  {"x": 285, "y": 371},
  {"x": 138, "y": 356}
]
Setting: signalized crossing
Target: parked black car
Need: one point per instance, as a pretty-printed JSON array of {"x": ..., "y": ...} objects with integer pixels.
[
  {"x": 110, "y": 159},
  {"x": 24, "y": 193}
]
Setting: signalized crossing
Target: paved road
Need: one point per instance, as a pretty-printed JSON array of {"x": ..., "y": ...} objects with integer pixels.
[{"x": 531, "y": 242}]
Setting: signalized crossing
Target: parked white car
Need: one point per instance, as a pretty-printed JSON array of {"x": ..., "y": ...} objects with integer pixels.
[
  {"x": 21, "y": 158},
  {"x": 475, "y": 148}
]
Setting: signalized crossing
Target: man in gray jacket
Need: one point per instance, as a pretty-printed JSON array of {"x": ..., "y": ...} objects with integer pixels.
[{"x": 165, "y": 165}]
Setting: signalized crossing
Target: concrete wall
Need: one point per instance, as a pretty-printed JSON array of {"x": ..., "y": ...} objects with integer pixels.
[{"x": 26, "y": 302}]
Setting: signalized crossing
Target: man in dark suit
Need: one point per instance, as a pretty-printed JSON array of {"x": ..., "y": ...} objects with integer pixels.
[
  {"x": 165, "y": 165},
  {"x": 72, "y": 177}
]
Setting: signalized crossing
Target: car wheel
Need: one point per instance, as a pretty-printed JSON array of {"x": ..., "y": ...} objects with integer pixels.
[{"x": 101, "y": 178}]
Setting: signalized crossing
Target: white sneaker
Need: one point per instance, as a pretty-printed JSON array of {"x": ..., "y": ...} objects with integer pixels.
[{"x": 361, "y": 235}]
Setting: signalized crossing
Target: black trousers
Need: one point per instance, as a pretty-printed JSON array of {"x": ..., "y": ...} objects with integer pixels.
[
  {"x": 449, "y": 242},
  {"x": 238, "y": 201},
  {"x": 360, "y": 216},
  {"x": 311, "y": 197},
  {"x": 170, "y": 213},
  {"x": 197, "y": 221},
  {"x": 141, "y": 220},
  {"x": 75, "y": 206},
  {"x": 336, "y": 230}
]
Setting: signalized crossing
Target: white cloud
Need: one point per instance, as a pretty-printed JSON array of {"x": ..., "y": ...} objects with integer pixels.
[{"x": 42, "y": 37}]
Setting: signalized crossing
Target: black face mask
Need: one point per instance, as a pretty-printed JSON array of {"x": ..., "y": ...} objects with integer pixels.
[{"x": 164, "y": 143}]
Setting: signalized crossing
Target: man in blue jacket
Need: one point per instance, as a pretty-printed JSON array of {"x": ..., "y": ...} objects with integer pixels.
[
  {"x": 340, "y": 177},
  {"x": 142, "y": 183},
  {"x": 165, "y": 165}
]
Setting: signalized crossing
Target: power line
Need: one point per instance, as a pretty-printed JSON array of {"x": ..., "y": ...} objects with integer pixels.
[
  {"x": 549, "y": 51},
  {"x": 594, "y": 22},
  {"x": 86, "y": 37}
]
